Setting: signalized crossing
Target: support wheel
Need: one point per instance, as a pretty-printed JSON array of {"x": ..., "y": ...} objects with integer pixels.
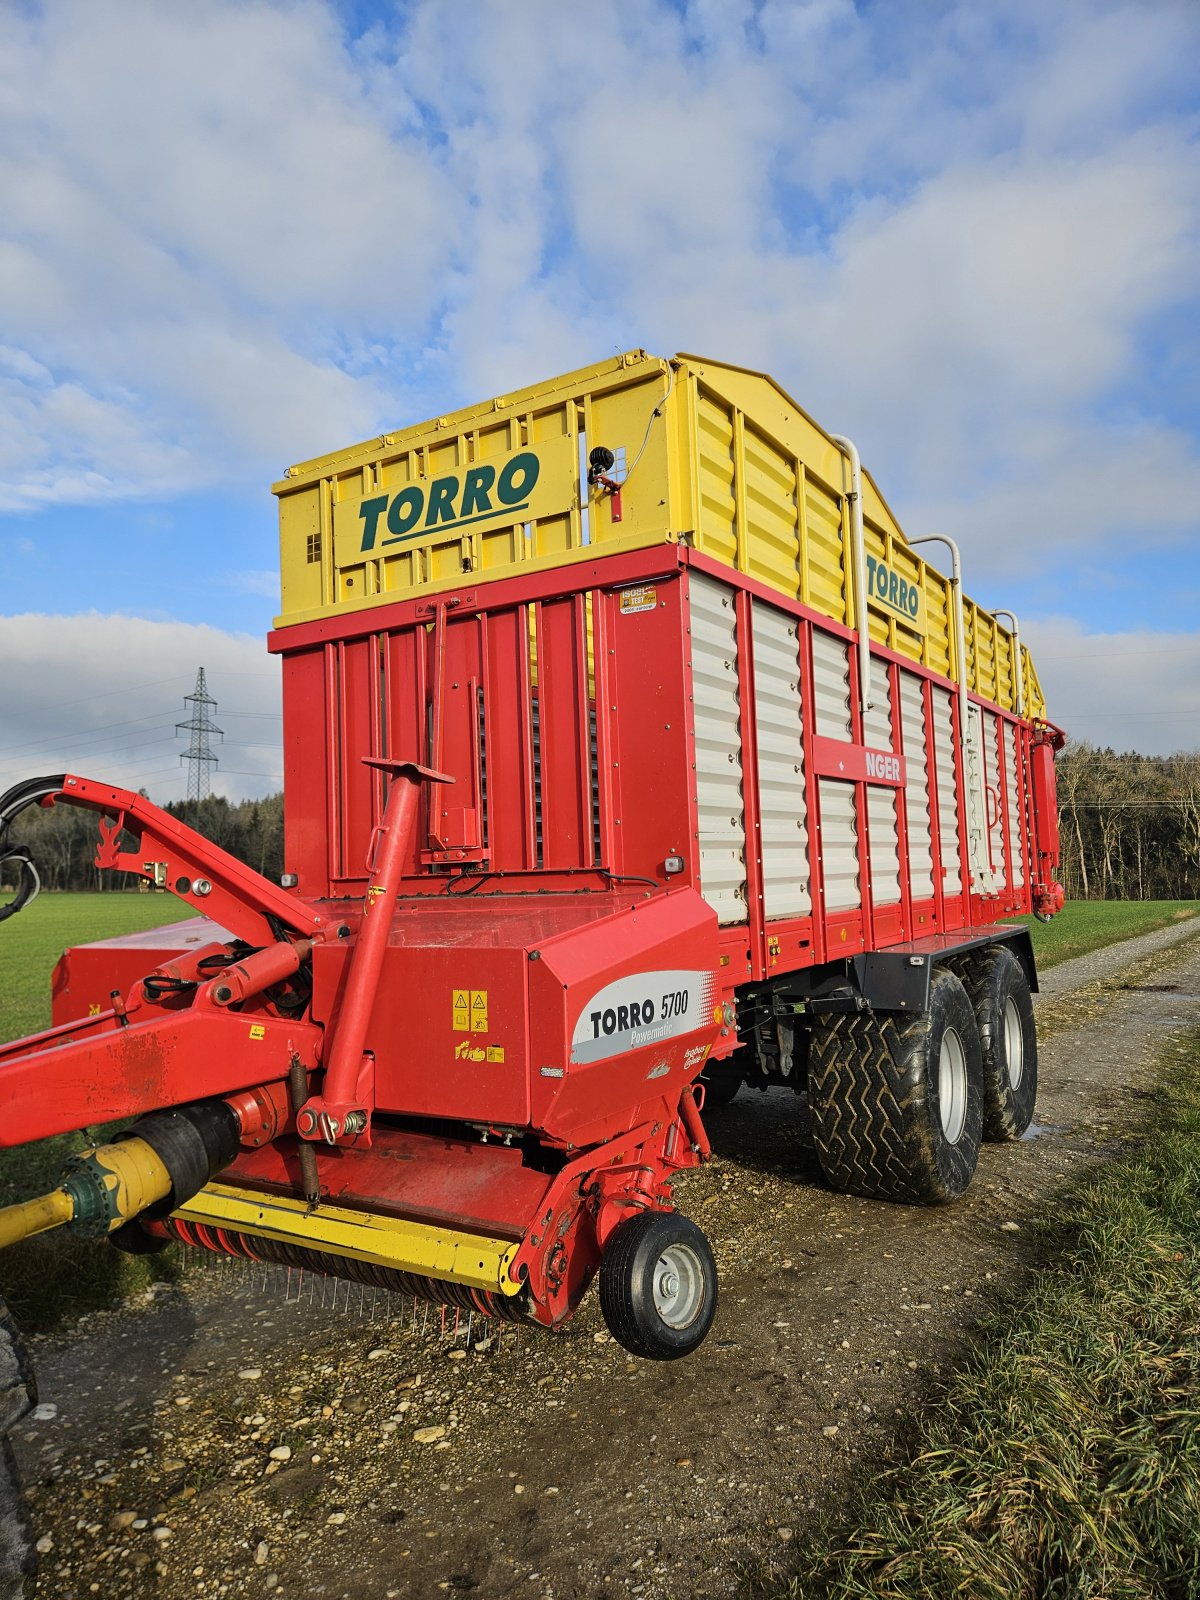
[
  {"x": 658, "y": 1285},
  {"x": 721, "y": 1082},
  {"x": 896, "y": 1102},
  {"x": 999, "y": 991}
]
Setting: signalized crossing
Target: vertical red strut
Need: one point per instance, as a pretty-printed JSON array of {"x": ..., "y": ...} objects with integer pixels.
[{"x": 341, "y": 1113}]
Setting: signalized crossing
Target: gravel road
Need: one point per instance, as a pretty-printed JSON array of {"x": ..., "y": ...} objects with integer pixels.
[{"x": 233, "y": 1436}]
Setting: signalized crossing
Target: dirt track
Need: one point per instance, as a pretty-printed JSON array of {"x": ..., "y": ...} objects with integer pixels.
[{"x": 566, "y": 1469}]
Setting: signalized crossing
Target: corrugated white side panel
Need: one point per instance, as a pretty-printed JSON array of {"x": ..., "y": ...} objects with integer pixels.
[
  {"x": 839, "y": 845},
  {"x": 722, "y": 816},
  {"x": 831, "y": 685},
  {"x": 994, "y": 736},
  {"x": 1015, "y": 810},
  {"x": 781, "y": 798},
  {"x": 882, "y": 821},
  {"x": 920, "y": 831},
  {"x": 947, "y": 791}
]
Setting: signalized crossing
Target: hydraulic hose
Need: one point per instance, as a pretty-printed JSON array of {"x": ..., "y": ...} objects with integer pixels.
[{"x": 12, "y": 803}]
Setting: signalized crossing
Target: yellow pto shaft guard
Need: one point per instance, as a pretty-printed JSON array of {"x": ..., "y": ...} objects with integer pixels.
[
  {"x": 420, "y": 1247},
  {"x": 101, "y": 1189}
]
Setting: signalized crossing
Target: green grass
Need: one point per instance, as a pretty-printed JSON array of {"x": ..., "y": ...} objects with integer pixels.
[
  {"x": 1063, "y": 1458},
  {"x": 56, "y": 1275},
  {"x": 32, "y": 941},
  {"x": 1085, "y": 925}
]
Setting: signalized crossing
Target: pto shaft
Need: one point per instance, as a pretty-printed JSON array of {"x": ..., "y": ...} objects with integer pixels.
[
  {"x": 100, "y": 1189},
  {"x": 48, "y": 1211},
  {"x": 165, "y": 1159}
]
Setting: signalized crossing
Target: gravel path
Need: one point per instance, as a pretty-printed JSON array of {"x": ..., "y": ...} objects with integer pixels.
[
  {"x": 233, "y": 1437},
  {"x": 1103, "y": 963}
]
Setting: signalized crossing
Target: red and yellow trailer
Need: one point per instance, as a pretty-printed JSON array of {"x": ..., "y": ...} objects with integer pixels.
[{"x": 632, "y": 754}]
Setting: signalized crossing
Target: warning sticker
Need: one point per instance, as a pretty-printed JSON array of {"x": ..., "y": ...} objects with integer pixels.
[
  {"x": 469, "y": 1009},
  {"x": 467, "y": 1051},
  {"x": 639, "y": 599}
]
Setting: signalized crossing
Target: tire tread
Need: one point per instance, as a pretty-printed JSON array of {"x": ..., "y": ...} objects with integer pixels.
[{"x": 868, "y": 1099}]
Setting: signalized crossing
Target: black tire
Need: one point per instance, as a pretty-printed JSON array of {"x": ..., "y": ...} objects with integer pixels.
[
  {"x": 721, "y": 1081},
  {"x": 999, "y": 992},
  {"x": 658, "y": 1285},
  {"x": 18, "y": 1393},
  {"x": 875, "y": 1094}
]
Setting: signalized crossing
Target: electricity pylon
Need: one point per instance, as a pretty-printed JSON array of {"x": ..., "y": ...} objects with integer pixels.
[{"x": 200, "y": 729}]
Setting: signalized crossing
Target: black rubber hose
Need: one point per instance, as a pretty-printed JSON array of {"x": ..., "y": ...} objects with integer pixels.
[
  {"x": 193, "y": 1142},
  {"x": 12, "y": 803},
  {"x": 28, "y": 884}
]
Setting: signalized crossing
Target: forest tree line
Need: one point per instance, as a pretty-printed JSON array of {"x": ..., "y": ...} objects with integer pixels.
[
  {"x": 1129, "y": 824},
  {"x": 63, "y": 839}
]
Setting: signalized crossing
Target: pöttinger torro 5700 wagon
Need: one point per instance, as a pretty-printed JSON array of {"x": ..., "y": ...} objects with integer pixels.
[{"x": 633, "y": 754}]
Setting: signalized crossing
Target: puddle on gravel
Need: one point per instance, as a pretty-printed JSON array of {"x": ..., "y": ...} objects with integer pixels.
[{"x": 1044, "y": 1130}]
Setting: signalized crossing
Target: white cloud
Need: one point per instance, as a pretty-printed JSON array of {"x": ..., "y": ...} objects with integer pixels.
[
  {"x": 1069, "y": 494},
  {"x": 1135, "y": 690},
  {"x": 100, "y": 695},
  {"x": 234, "y": 238},
  {"x": 215, "y": 207}
]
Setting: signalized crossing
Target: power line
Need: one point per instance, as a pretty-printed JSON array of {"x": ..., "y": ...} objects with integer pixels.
[
  {"x": 83, "y": 733},
  {"x": 105, "y": 694}
]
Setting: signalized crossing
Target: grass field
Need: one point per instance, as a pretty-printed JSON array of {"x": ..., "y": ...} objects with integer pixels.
[
  {"x": 57, "y": 1275},
  {"x": 1063, "y": 1458},
  {"x": 1085, "y": 925},
  {"x": 32, "y": 942}
]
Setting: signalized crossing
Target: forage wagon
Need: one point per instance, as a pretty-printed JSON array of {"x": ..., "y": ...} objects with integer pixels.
[{"x": 632, "y": 755}]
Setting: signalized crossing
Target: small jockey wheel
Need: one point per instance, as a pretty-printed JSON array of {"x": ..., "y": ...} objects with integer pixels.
[{"x": 658, "y": 1285}]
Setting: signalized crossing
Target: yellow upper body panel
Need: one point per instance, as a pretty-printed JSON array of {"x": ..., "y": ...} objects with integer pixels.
[{"x": 706, "y": 454}]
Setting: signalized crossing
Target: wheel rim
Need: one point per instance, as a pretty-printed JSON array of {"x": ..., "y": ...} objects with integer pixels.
[
  {"x": 1014, "y": 1043},
  {"x": 952, "y": 1085},
  {"x": 678, "y": 1285}
]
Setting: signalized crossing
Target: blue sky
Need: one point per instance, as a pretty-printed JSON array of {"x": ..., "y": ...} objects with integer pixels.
[{"x": 242, "y": 232}]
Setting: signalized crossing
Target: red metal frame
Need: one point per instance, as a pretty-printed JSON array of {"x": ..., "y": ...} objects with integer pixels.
[
  {"x": 540, "y": 886},
  {"x": 631, "y": 797}
]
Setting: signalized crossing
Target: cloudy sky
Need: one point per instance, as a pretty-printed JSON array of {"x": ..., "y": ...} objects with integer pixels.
[{"x": 240, "y": 232}]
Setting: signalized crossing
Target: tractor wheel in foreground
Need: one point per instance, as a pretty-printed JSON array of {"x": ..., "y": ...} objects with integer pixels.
[
  {"x": 897, "y": 1102},
  {"x": 18, "y": 1393},
  {"x": 999, "y": 991},
  {"x": 658, "y": 1285}
]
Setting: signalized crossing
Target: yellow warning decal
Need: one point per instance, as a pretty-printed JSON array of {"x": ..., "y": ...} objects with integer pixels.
[
  {"x": 469, "y": 1009},
  {"x": 257, "y": 1031},
  {"x": 495, "y": 1052},
  {"x": 479, "y": 1011}
]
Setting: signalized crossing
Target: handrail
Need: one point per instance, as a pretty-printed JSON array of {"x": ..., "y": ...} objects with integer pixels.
[
  {"x": 860, "y": 570},
  {"x": 960, "y": 640},
  {"x": 1018, "y": 664}
]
